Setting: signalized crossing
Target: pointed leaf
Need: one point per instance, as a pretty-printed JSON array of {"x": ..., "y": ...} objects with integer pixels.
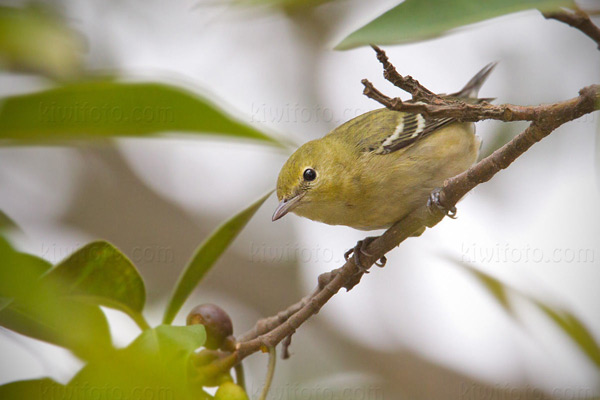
[
  {"x": 575, "y": 329},
  {"x": 206, "y": 255},
  {"x": 107, "y": 108},
  {"x": 99, "y": 273},
  {"x": 415, "y": 20}
]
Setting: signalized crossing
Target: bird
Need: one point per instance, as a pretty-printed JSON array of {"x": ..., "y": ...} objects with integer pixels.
[{"x": 375, "y": 169}]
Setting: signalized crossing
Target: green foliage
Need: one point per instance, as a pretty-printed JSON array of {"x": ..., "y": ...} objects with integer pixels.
[
  {"x": 573, "y": 327},
  {"x": 563, "y": 319},
  {"x": 494, "y": 287},
  {"x": 415, "y": 20},
  {"x": 100, "y": 274},
  {"x": 35, "y": 308},
  {"x": 207, "y": 254},
  {"x": 36, "y": 40},
  {"x": 60, "y": 305},
  {"x": 93, "y": 109},
  {"x": 155, "y": 364}
]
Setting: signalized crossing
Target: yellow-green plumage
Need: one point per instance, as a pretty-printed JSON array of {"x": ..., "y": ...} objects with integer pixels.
[
  {"x": 368, "y": 191},
  {"x": 368, "y": 181}
]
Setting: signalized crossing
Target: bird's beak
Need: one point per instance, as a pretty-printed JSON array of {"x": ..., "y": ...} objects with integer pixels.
[{"x": 286, "y": 205}]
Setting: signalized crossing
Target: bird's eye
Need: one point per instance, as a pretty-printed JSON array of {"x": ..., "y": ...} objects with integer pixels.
[{"x": 309, "y": 174}]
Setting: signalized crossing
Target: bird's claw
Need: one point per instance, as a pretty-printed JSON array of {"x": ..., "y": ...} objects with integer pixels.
[
  {"x": 359, "y": 251},
  {"x": 434, "y": 205},
  {"x": 381, "y": 262}
]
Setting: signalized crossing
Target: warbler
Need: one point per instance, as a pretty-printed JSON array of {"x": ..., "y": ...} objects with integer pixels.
[{"x": 375, "y": 169}]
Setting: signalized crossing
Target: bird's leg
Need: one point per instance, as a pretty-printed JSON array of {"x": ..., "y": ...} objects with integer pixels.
[
  {"x": 434, "y": 201},
  {"x": 359, "y": 251}
]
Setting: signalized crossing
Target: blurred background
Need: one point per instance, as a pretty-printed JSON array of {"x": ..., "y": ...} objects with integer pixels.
[{"x": 454, "y": 314}]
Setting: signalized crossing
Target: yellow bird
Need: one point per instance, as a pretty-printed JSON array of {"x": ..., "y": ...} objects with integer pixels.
[{"x": 375, "y": 169}]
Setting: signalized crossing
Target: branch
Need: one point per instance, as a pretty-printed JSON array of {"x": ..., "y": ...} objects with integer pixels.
[
  {"x": 578, "y": 20},
  {"x": 269, "y": 332},
  {"x": 406, "y": 83},
  {"x": 466, "y": 112},
  {"x": 550, "y": 118}
]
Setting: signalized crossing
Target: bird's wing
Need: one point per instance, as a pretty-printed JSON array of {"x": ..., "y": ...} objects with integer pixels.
[
  {"x": 409, "y": 129},
  {"x": 384, "y": 131}
]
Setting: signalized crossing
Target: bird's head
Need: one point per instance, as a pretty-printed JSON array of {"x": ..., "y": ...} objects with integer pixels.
[{"x": 307, "y": 179}]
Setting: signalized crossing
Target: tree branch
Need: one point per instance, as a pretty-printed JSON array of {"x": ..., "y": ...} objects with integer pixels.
[
  {"x": 546, "y": 114},
  {"x": 578, "y": 20},
  {"x": 268, "y": 332}
]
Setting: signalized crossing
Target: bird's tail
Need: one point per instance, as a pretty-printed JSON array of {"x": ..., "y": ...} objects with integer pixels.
[{"x": 471, "y": 89}]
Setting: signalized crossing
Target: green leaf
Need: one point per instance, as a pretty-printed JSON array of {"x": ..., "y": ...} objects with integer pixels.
[
  {"x": 495, "y": 287},
  {"x": 44, "y": 388},
  {"x": 19, "y": 273},
  {"x": 40, "y": 311},
  {"x": 573, "y": 327},
  {"x": 565, "y": 320},
  {"x": 95, "y": 109},
  {"x": 155, "y": 365},
  {"x": 206, "y": 255},
  {"x": 79, "y": 327},
  {"x": 33, "y": 39},
  {"x": 100, "y": 274},
  {"x": 415, "y": 20}
]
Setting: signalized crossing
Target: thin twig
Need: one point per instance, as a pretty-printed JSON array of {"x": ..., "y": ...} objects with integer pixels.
[
  {"x": 578, "y": 20},
  {"x": 406, "y": 83}
]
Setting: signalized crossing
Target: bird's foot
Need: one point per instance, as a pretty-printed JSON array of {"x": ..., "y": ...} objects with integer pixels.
[
  {"x": 359, "y": 251},
  {"x": 434, "y": 205}
]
